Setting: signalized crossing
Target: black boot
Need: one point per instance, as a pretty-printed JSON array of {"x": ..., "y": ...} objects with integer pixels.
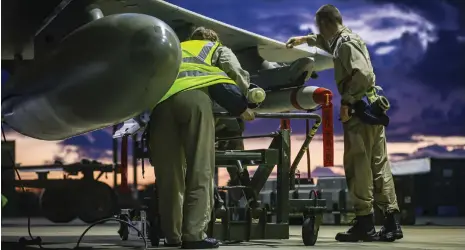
[
  {"x": 166, "y": 244},
  {"x": 207, "y": 243},
  {"x": 391, "y": 229},
  {"x": 363, "y": 229}
]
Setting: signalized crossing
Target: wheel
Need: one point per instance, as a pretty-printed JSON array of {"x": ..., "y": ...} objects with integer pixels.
[
  {"x": 58, "y": 205},
  {"x": 97, "y": 201},
  {"x": 309, "y": 232}
]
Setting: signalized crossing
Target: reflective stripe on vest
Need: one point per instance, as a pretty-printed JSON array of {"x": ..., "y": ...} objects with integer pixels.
[
  {"x": 191, "y": 73},
  {"x": 206, "y": 50},
  {"x": 196, "y": 69},
  {"x": 193, "y": 59},
  {"x": 202, "y": 56}
]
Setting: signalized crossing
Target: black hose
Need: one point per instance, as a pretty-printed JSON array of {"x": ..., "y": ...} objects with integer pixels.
[
  {"x": 110, "y": 219},
  {"x": 35, "y": 241},
  {"x": 304, "y": 147},
  {"x": 313, "y": 196}
]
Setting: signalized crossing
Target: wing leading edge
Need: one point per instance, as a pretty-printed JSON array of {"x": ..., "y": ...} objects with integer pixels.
[{"x": 236, "y": 38}]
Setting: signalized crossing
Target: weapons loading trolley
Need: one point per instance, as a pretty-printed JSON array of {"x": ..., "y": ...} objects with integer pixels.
[{"x": 229, "y": 229}]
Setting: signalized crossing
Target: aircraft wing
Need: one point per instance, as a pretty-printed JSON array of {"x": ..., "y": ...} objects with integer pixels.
[
  {"x": 323, "y": 60},
  {"x": 233, "y": 37}
]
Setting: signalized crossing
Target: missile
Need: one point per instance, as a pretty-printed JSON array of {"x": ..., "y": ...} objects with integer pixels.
[
  {"x": 103, "y": 73},
  {"x": 301, "y": 98},
  {"x": 306, "y": 98}
]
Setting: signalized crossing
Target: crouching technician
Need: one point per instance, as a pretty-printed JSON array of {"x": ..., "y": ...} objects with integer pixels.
[{"x": 182, "y": 137}]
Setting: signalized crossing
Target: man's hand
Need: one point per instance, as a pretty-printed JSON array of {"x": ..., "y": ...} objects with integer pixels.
[
  {"x": 344, "y": 114},
  {"x": 248, "y": 115},
  {"x": 297, "y": 40}
]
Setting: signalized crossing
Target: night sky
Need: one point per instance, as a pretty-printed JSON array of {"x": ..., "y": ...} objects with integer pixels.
[{"x": 417, "y": 50}]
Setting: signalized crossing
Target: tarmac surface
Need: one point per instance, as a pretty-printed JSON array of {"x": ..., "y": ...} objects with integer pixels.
[{"x": 65, "y": 236}]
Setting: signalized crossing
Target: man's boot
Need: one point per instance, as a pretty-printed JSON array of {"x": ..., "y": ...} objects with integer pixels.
[
  {"x": 362, "y": 230},
  {"x": 391, "y": 229}
]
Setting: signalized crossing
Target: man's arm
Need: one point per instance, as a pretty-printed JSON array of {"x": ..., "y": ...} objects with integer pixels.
[
  {"x": 227, "y": 61},
  {"x": 230, "y": 97},
  {"x": 356, "y": 64},
  {"x": 317, "y": 41}
]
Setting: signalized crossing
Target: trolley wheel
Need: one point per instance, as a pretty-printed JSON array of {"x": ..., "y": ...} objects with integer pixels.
[
  {"x": 309, "y": 232},
  {"x": 97, "y": 201},
  {"x": 59, "y": 205}
]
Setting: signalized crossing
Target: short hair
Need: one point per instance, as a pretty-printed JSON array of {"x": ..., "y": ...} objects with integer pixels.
[
  {"x": 329, "y": 14},
  {"x": 202, "y": 33}
]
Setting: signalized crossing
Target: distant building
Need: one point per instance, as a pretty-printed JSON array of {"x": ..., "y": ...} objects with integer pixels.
[{"x": 432, "y": 186}]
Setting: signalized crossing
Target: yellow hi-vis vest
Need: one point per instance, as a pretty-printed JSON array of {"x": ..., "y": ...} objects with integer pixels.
[{"x": 196, "y": 70}]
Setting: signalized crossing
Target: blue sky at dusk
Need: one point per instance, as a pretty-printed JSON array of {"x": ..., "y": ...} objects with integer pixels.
[{"x": 417, "y": 49}]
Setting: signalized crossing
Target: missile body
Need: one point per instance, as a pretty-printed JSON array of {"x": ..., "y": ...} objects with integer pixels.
[
  {"x": 103, "y": 73},
  {"x": 302, "y": 98},
  {"x": 306, "y": 98}
]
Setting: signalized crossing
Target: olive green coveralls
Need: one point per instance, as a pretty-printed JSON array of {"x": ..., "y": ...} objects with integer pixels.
[
  {"x": 366, "y": 165},
  {"x": 183, "y": 155},
  {"x": 182, "y": 143}
]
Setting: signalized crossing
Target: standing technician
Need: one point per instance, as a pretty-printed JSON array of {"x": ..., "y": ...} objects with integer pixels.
[
  {"x": 182, "y": 137},
  {"x": 366, "y": 164}
]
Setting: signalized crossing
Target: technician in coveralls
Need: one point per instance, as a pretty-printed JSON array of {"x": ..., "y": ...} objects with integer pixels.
[
  {"x": 366, "y": 164},
  {"x": 182, "y": 137}
]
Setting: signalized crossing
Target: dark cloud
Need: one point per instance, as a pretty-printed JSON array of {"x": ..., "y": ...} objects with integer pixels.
[
  {"x": 395, "y": 107},
  {"x": 97, "y": 140},
  {"x": 443, "y": 66},
  {"x": 437, "y": 11},
  {"x": 94, "y": 145},
  {"x": 431, "y": 121},
  {"x": 389, "y": 22},
  {"x": 435, "y": 122}
]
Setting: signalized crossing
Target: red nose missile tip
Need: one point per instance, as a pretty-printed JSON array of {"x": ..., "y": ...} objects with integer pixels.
[{"x": 322, "y": 96}]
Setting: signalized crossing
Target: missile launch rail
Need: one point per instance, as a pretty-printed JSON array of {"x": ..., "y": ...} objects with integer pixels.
[{"x": 260, "y": 222}]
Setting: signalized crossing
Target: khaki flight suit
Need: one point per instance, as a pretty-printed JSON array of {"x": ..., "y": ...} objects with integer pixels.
[
  {"x": 183, "y": 155},
  {"x": 366, "y": 164}
]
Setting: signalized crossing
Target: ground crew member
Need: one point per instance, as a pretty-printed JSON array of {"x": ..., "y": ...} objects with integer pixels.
[
  {"x": 182, "y": 137},
  {"x": 366, "y": 164}
]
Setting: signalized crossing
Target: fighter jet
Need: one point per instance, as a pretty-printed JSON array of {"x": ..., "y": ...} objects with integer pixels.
[{"x": 97, "y": 63}]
